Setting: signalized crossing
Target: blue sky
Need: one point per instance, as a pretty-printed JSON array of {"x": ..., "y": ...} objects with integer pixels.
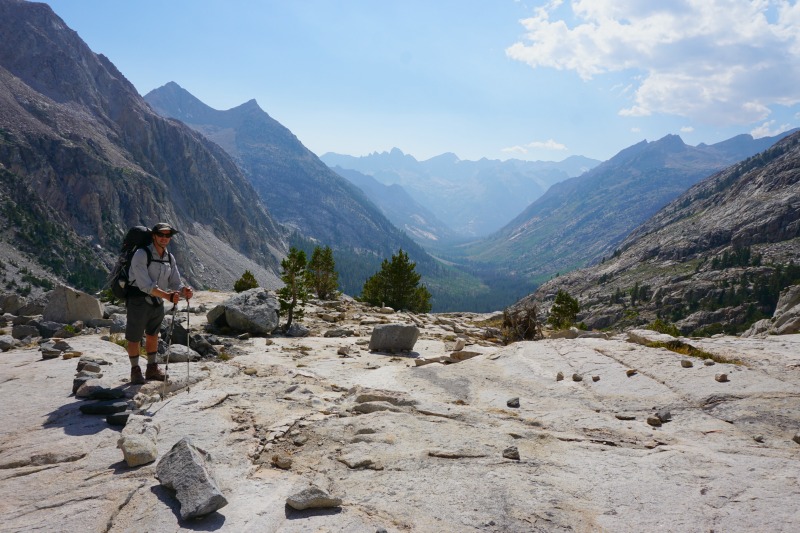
[{"x": 480, "y": 78}]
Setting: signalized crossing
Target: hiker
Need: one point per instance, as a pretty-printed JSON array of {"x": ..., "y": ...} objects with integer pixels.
[{"x": 152, "y": 283}]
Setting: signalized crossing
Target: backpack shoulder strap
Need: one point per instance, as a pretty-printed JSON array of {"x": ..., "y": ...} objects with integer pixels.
[{"x": 149, "y": 255}]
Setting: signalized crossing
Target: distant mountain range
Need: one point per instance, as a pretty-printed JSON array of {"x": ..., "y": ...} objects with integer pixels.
[
  {"x": 83, "y": 157},
  {"x": 713, "y": 260},
  {"x": 399, "y": 207},
  {"x": 583, "y": 219},
  {"x": 299, "y": 190},
  {"x": 473, "y": 198}
]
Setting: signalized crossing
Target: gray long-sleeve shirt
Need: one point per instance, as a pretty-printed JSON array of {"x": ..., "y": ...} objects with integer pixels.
[{"x": 164, "y": 275}]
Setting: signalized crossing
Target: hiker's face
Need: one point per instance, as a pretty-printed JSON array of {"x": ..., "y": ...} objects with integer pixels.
[{"x": 163, "y": 238}]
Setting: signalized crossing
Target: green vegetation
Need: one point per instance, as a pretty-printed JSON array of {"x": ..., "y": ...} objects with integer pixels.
[
  {"x": 321, "y": 272},
  {"x": 757, "y": 291},
  {"x": 740, "y": 257},
  {"x": 397, "y": 286},
  {"x": 294, "y": 294},
  {"x": 565, "y": 309},
  {"x": 51, "y": 243},
  {"x": 687, "y": 349},
  {"x": 521, "y": 325},
  {"x": 246, "y": 282},
  {"x": 664, "y": 327}
]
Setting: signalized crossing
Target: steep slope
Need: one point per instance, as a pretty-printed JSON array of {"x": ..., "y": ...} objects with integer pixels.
[
  {"x": 298, "y": 189},
  {"x": 583, "y": 219},
  {"x": 474, "y": 198},
  {"x": 83, "y": 157},
  {"x": 714, "y": 259},
  {"x": 400, "y": 208}
]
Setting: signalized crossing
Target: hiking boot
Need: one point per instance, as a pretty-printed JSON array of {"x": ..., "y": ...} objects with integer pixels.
[
  {"x": 136, "y": 375},
  {"x": 152, "y": 372}
]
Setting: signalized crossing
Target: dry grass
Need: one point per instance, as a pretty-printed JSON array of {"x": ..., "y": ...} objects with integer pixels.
[{"x": 687, "y": 349}]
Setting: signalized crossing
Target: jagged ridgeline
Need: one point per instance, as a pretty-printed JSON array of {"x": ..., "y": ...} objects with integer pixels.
[
  {"x": 714, "y": 260},
  {"x": 322, "y": 207},
  {"x": 84, "y": 157}
]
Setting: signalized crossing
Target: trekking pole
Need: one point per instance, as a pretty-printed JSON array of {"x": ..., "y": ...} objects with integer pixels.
[
  {"x": 188, "y": 336},
  {"x": 169, "y": 350}
]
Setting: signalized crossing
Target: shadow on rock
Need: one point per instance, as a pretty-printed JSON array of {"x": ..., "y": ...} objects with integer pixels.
[
  {"x": 294, "y": 514},
  {"x": 210, "y": 522},
  {"x": 409, "y": 355},
  {"x": 70, "y": 418}
]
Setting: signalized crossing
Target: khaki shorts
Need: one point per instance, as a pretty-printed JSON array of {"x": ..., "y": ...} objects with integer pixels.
[{"x": 143, "y": 318}]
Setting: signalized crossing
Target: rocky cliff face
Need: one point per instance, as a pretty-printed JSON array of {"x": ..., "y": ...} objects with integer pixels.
[
  {"x": 76, "y": 135},
  {"x": 583, "y": 219},
  {"x": 716, "y": 258}
]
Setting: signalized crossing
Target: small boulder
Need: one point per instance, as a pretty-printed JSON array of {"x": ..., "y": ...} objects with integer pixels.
[
  {"x": 184, "y": 470},
  {"x": 298, "y": 330},
  {"x": 393, "y": 338},
  {"x": 513, "y": 402},
  {"x": 7, "y": 342},
  {"x": 254, "y": 311},
  {"x": 722, "y": 378},
  {"x": 67, "y": 305},
  {"x": 138, "y": 440},
  {"x": 312, "y": 498}
]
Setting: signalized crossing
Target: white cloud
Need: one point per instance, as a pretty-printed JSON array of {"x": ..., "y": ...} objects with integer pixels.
[
  {"x": 636, "y": 129},
  {"x": 687, "y": 129},
  {"x": 715, "y": 61},
  {"x": 768, "y": 129},
  {"x": 549, "y": 144}
]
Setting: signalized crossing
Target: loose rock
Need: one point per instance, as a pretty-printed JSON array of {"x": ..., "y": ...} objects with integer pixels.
[
  {"x": 722, "y": 378},
  {"x": 654, "y": 420},
  {"x": 312, "y": 498},
  {"x": 513, "y": 402},
  {"x": 183, "y": 469},
  {"x": 138, "y": 440},
  {"x": 393, "y": 337},
  {"x": 511, "y": 453}
]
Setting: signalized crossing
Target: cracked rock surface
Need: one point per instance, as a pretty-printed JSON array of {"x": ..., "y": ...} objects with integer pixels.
[{"x": 431, "y": 448}]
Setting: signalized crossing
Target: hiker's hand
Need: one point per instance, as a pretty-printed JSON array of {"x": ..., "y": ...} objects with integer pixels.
[
  {"x": 187, "y": 293},
  {"x": 174, "y": 297}
]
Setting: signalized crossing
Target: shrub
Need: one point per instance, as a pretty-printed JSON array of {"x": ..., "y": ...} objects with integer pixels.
[
  {"x": 246, "y": 282},
  {"x": 521, "y": 324},
  {"x": 564, "y": 310},
  {"x": 664, "y": 327}
]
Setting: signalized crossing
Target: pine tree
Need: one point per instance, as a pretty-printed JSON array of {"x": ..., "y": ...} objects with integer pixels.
[
  {"x": 247, "y": 281},
  {"x": 397, "y": 286},
  {"x": 294, "y": 294},
  {"x": 564, "y": 310},
  {"x": 322, "y": 276}
]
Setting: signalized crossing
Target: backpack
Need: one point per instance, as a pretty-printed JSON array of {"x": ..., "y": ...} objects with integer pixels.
[{"x": 137, "y": 237}]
